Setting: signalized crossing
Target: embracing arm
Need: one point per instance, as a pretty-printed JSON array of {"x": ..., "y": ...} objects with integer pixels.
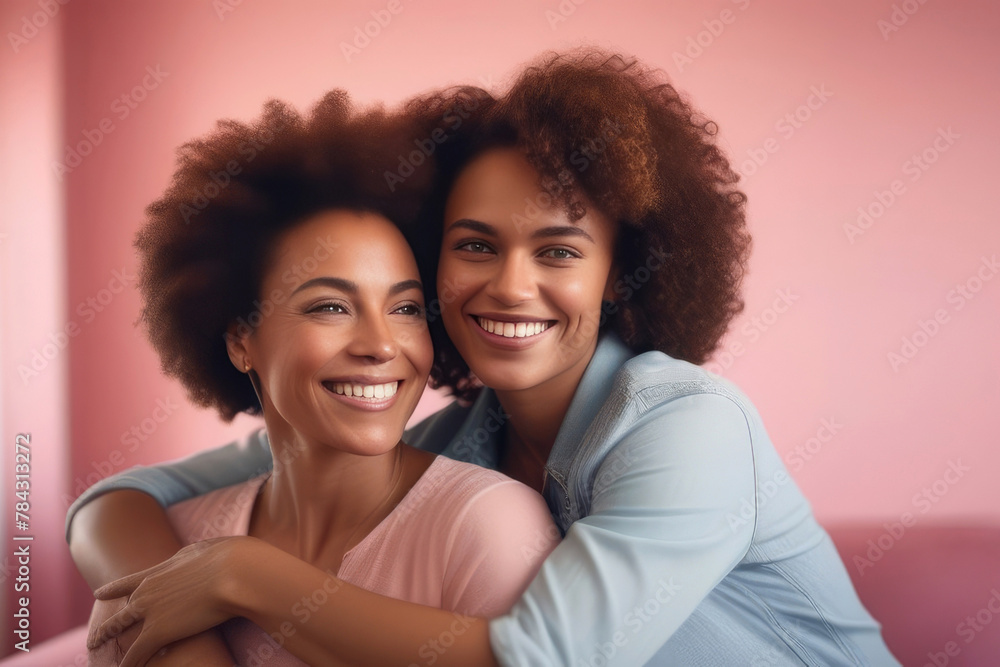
[
  {"x": 659, "y": 534},
  {"x": 114, "y": 531},
  {"x": 659, "y": 537}
]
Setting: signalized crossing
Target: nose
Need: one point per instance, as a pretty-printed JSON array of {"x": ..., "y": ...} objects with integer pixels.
[
  {"x": 374, "y": 339},
  {"x": 513, "y": 281}
]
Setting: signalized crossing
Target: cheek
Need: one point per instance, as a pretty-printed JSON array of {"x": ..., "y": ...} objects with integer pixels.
[
  {"x": 454, "y": 282},
  {"x": 419, "y": 349},
  {"x": 581, "y": 298}
]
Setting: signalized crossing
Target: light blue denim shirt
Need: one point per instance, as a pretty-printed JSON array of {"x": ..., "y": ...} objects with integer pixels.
[{"x": 686, "y": 541}]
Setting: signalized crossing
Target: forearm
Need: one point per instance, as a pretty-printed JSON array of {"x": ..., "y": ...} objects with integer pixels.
[
  {"x": 324, "y": 621},
  {"x": 120, "y": 533},
  {"x": 105, "y": 548}
]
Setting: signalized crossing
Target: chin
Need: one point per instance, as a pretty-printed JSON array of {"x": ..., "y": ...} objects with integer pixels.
[{"x": 508, "y": 379}]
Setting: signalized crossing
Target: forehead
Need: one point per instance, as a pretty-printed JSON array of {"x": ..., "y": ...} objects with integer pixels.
[
  {"x": 341, "y": 242},
  {"x": 498, "y": 177},
  {"x": 501, "y": 188}
]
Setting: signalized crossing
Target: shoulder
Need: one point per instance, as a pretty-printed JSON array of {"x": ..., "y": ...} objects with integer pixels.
[
  {"x": 653, "y": 378},
  {"x": 219, "y": 513},
  {"x": 456, "y": 489},
  {"x": 493, "y": 531}
]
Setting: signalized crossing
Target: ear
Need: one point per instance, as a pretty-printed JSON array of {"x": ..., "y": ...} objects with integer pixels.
[{"x": 237, "y": 340}]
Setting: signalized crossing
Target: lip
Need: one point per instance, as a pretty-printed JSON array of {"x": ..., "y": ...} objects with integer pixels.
[
  {"x": 359, "y": 402},
  {"x": 509, "y": 343}
]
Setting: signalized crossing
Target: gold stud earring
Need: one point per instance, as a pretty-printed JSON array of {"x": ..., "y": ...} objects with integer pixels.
[{"x": 246, "y": 366}]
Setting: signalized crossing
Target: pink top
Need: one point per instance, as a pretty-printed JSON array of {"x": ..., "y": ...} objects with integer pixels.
[{"x": 465, "y": 538}]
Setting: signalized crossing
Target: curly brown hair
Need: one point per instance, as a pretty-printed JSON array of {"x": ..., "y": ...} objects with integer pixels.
[
  {"x": 207, "y": 241},
  {"x": 605, "y": 129}
]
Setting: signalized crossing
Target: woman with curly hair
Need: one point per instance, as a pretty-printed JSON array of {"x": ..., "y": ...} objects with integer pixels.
[
  {"x": 292, "y": 293},
  {"x": 588, "y": 245}
]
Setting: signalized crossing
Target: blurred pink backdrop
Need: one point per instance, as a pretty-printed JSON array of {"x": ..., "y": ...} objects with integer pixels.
[{"x": 866, "y": 132}]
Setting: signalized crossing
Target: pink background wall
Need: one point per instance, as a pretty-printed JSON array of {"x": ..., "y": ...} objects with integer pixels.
[{"x": 864, "y": 434}]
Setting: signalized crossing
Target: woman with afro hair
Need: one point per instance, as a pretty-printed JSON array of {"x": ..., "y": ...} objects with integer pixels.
[{"x": 587, "y": 243}]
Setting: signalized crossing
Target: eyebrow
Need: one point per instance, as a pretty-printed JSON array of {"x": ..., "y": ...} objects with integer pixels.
[
  {"x": 352, "y": 287},
  {"x": 543, "y": 233}
]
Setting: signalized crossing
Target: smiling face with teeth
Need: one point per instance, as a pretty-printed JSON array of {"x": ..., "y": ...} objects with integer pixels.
[
  {"x": 343, "y": 357},
  {"x": 521, "y": 286}
]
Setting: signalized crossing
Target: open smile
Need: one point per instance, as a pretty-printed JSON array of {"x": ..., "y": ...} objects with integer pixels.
[
  {"x": 368, "y": 396},
  {"x": 522, "y": 329}
]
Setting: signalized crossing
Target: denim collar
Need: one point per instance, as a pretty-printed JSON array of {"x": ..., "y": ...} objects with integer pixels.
[
  {"x": 591, "y": 394},
  {"x": 482, "y": 437}
]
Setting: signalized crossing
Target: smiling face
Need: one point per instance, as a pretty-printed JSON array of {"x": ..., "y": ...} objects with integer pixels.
[
  {"x": 521, "y": 285},
  {"x": 343, "y": 357}
]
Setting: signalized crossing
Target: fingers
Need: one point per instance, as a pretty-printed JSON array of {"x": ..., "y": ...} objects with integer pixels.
[
  {"x": 123, "y": 587},
  {"x": 114, "y": 626},
  {"x": 141, "y": 651}
]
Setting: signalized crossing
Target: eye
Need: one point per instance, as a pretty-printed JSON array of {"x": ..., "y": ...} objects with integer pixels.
[
  {"x": 476, "y": 247},
  {"x": 560, "y": 253},
  {"x": 411, "y": 309},
  {"x": 328, "y": 307}
]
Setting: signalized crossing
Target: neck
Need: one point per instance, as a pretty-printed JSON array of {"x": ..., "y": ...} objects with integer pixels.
[
  {"x": 536, "y": 415},
  {"x": 320, "y": 501}
]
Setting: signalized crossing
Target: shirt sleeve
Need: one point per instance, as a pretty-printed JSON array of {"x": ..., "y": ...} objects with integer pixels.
[
  {"x": 497, "y": 546},
  {"x": 173, "y": 482},
  {"x": 658, "y": 539}
]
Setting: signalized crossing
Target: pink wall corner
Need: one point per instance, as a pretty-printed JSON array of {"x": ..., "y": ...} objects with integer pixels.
[{"x": 35, "y": 570}]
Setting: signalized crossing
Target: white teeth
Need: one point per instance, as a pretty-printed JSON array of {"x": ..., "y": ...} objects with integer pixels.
[
  {"x": 349, "y": 389},
  {"x": 512, "y": 329}
]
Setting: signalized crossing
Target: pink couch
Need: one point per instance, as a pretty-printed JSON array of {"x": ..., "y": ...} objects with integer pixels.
[{"x": 934, "y": 588}]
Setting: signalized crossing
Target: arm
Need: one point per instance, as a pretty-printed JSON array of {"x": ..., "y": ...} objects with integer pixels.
[
  {"x": 658, "y": 533},
  {"x": 98, "y": 533},
  {"x": 196, "y": 475},
  {"x": 658, "y": 539},
  {"x": 104, "y": 551},
  {"x": 486, "y": 549}
]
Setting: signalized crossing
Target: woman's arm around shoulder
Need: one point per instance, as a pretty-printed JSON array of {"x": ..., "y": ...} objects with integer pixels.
[
  {"x": 658, "y": 538},
  {"x": 495, "y": 546}
]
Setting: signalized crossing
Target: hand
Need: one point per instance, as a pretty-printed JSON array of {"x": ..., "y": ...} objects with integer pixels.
[{"x": 182, "y": 596}]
